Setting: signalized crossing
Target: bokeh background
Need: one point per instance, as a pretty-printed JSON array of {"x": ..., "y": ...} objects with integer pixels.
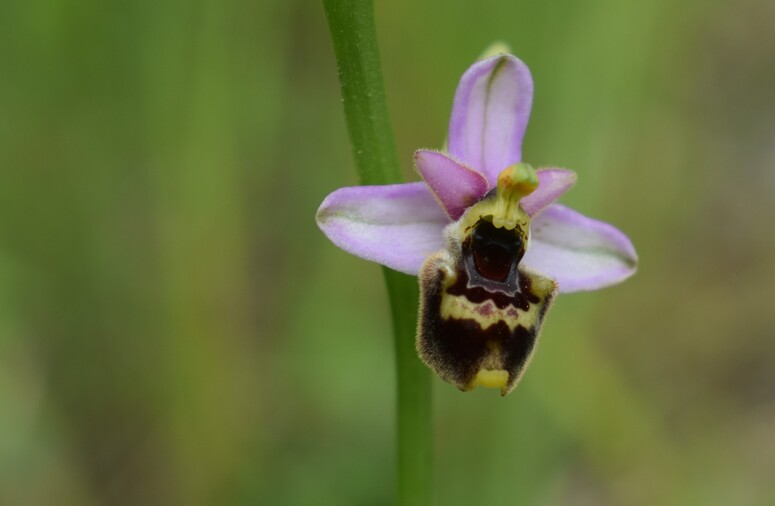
[{"x": 174, "y": 329}]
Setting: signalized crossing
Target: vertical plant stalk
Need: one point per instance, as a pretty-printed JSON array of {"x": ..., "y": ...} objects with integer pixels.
[{"x": 355, "y": 43}]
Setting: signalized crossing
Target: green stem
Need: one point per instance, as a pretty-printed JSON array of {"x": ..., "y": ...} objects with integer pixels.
[
  {"x": 365, "y": 106},
  {"x": 415, "y": 435}
]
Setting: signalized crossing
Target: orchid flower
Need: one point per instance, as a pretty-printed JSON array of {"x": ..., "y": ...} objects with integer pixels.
[{"x": 482, "y": 232}]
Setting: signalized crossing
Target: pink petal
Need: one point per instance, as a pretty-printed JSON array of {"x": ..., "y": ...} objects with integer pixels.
[
  {"x": 395, "y": 225},
  {"x": 456, "y": 186},
  {"x": 489, "y": 114},
  {"x": 578, "y": 252},
  {"x": 552, "y": 184}
]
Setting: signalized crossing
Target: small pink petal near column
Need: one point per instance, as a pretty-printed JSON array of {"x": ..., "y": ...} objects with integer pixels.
[
  {"x": 455, "y": 185},
  {"x": 553, "y": 183}
]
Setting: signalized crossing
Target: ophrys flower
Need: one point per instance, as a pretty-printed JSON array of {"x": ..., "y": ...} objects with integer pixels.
[{"x": 483, "y": 233}]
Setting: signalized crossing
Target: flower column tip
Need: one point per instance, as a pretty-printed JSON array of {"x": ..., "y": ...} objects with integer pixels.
[{"x": 515, "y": 182}]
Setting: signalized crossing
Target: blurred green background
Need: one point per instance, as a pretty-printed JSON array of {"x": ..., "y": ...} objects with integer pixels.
[{"x": 174, "y": 329}]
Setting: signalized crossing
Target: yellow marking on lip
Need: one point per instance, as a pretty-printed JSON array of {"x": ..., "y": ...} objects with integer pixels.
[
  {"x": 458, "y": 306},
  {"x": 488, "y": 378}
]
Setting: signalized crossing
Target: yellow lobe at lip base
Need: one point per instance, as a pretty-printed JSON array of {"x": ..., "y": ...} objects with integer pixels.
[
  {"x": 487, "y": 378},
  {"x": 515, "y": 182}
]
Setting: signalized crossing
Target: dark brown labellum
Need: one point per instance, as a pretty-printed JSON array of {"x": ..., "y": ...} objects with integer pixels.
[{"x": 470, "y": 335}]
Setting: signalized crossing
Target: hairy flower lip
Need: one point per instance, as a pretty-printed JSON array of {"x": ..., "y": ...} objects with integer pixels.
[{"x": 399, "y": 226}]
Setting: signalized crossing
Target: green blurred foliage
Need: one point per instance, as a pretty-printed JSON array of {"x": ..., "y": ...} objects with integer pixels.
[{"x": 175, "y": 330}]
